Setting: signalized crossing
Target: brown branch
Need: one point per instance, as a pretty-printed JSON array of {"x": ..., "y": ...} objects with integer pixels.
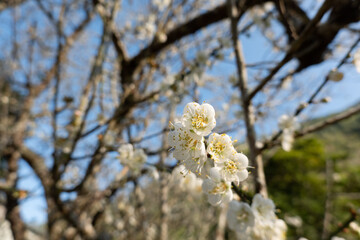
[
  {"x": 292, "y": 49},
  {"x": 4, "y": 4},
  {"x": 332, "y": 120},
  {"x": 47, "y": 13},
  {"x": 13, "y": 215},
  {"x": 343, "y": 60},
  {"x": 203, "y": 20},
  {"x": 318, "y": 126},
  {"x": 343, "y": 225},
  {"x": 280, "y": 5},
  {"x": 300, "y": 108},
  {"x": 248, "y": 108},
  {"x": 69, "y": 41},
  {"x": 350, "y": 195},
  {"x": 85, "y": 105},
  {"x": 108, "y": 21},
  {"x": 37, "y": 163},
  {"x": 244, "y": 196}
]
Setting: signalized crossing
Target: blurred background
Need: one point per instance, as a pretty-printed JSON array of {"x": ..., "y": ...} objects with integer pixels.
[{"x": 81, "y": 78}]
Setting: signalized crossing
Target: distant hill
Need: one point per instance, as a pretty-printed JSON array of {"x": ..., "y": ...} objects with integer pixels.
[
  {"x": 297, "y": 179},
  {"x": 342, "y": 140}
]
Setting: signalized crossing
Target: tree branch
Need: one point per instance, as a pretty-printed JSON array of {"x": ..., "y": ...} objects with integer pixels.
[
  {"x": 332, "y": 120},
  {"x": 292, "y": 49},
  {"x": 300, "y": 108},
  {"x": 248, "y": 108},
  {"x": 203, "y": 20}
]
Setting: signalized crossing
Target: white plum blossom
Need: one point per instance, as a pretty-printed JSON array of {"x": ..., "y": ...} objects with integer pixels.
[
  {"x": 279, "y": 230},
  {"x": 134, "y": 159},
  {"x": 286, "y": 82},
  {"x": 192, "y": 183},
  {"x": 257, "y": 222},
  {"x": 187, "y": 181},
  {"x": 263, "y": 207},
  {"x": 199, "y": 119},
  {"x": 126, "y": 151},
  {"x": 216, "y": 166},
  {"x": 188, "y": 147},
  {"x": 265, "y": 219},
  {"x": 220, "y": 147},
  {"x": 205, "y": 170},
  {"x": 233, "y": 169},
  {"x": 146, "y": 28},
  {"x": 357, "y": 60},
  {"x": 295, "y": 221},
  {"x": 218, "y": 190},
  {"x": 337, "y": 238},
  {"x": 161, "y": 4},
  {"x": 287, "y": 139},
  {"x": 153, "y": 172},
  {"x": 288, "y": 122},
  {"x": 355, "y": 227},
  {"x": 335, "y": 75},
  {"x": 288, "y": 125},
  {"x": 240, "y": 216}
]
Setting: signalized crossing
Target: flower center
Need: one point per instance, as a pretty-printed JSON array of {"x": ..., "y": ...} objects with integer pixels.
[
  {"x": 187, "y": 141},
  {"x": 218, "y": 148},
  {"x": 199, "y": 121},
  {"x": 230, "y": 166},
  {"x": 219, "y": 189},
  {"x": 243, "y": 216}
]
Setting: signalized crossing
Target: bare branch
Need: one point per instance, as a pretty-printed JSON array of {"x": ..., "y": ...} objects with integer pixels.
[
  {"x": 255, "y": 158},
  {"x": 317, "y": 126},
  {"x": 300, "y": 108},
  {"x": 292, "y": 49},
  {"x": 203, "y": 20},
  {"x": 343, "y": 225},
  {"x": 332, "y": 120},
  {"x": 37, "y": 163}
]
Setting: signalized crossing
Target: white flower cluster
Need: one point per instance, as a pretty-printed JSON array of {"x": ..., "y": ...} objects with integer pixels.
[
  {"x": 161, "y": 4},
  {"x": 217, "y": 163},
  {"x": 257, "y": 221},
  {"x": 133, "y": 158},
  {"x": 146, "y": 27},
  {"x": 189, "y": 183},
  {"x": 288, "y": 125}
]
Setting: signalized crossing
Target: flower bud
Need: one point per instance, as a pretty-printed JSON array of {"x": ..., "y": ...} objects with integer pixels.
[{"x": 335, "y": 75}]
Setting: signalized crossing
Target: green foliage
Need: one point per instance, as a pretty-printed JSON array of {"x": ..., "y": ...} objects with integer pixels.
[{"x": 297, "y": 185}]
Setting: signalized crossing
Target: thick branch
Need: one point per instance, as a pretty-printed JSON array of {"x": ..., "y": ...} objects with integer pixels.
[
  {"x": 255, "y": 158},
  {"x": 37, "y": 163},
  {"x": 300, "y": 108},
  {"x": 344, "y": 225},
  {"x": 318, "y": 126},
  {"x": 332, "y": 120},
  {"x": 293, "y": 48},
  {"x": 203, "y": 20}
]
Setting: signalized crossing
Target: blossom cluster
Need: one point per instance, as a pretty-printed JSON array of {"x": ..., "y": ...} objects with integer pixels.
[
  {"x": 189, "y": 183},
  {"x": 133, "y": 158},
  {"x": 257, "y": 221},
  {"x": 215, "y": 161},
  {"x": 288, "y": 125}
]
